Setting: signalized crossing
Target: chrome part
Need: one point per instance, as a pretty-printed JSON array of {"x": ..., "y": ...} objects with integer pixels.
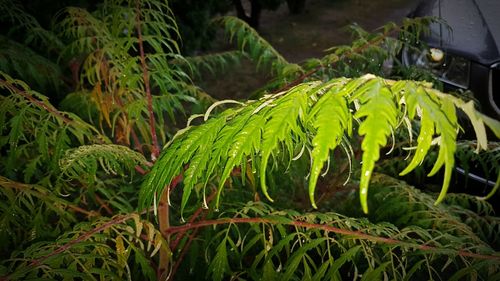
[{"x": 490, "y": 88}]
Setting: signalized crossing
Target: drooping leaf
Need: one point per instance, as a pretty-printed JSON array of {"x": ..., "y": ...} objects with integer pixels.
[{"x": 380, "y": 113}]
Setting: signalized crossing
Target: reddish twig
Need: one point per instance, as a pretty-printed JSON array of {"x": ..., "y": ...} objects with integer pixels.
[
  {"x": 103, "y": 205},
  {"x": 140, "y": 170},
  {"x": 179, "y": 236},
  {"x": 156, "y": 148},
  {"x": 185, "y": 249},
  {"x": 81, "y": 238},
  {"x": 137, "y": 142},
  {"x": 35, "y": 101},
  {"x": 353, "y": 233},
  {"x": 89, "y": 214},
  {"x": 164, "y": 222},
  {"x": 196, "y": 214}
]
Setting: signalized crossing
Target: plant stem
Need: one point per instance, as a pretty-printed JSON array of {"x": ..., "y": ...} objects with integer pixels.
[
  {"x": 35, "y": 101},
  {"x": 196, "y": 214},
  {"x": 82, "y": 238},
  {"x": 155, "y": 152},
  {"x": 185, "y": 249},
  {"x": 137, "y": 142},
  {"x": 174, "y": 245},
  {"x": 352, "y": 233},
  {"x": 164, "y": 221}
]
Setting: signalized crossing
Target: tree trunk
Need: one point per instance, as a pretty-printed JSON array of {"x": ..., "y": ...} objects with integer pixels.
[
  {"x": 296, "y": 6},
  {"x": 255, "y": 10}
]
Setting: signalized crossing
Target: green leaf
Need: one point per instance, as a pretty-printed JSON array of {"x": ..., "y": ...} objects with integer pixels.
[
  {"x": 374, "y": 274},
  {"x": 424, "y": 141},
  {"x": 413, "y": 269},
  {"x": 282, "y": 122},
  {"x": 202, "y": 143},
  {"x": 332, "y": 118},
  {"x": 295, "y": 259},
  {"x": 145, "y": 265},
  {"x": 245, "y": 142},
  {"x": 220, "y": 264},
  {"x": 344, "y": 257},
  {"x": 380, "y": 114}
]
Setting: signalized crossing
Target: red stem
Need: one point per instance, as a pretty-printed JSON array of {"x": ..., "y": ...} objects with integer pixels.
[
  {"x": 140, "y": 170},
  {"x": 353, "y": 233},
  {"x": 156, "y": 148},
  {"x": 164, "y": 222},
  {"x": 185, "y": 249},
  {"x": 196, "y": 214},
  {"x": 82, "y": 238},
  {"x": 137, "y": 142},
  {"x": 36, "y": 101}
]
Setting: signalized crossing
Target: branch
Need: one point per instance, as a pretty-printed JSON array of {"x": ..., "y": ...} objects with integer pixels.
[
  {"x": 352, "y": 233},
  {"x": 185, "y": 249},
  {"x": 82, "y": 238},
  {"x": 156, "y": 148},
  {"x": 164, "y": 224},
  {"x": 35, "y": 101},
  {"x": 196, "y": 214},
  {"x": 28, "y": 188},
  {"x": 85, "y": 236}
]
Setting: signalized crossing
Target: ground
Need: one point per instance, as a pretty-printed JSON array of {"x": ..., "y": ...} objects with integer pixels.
[{"x": 298, "y": 37}]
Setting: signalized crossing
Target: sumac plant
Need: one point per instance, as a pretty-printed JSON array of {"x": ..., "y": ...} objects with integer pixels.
[{"x": 311, "y": 179}]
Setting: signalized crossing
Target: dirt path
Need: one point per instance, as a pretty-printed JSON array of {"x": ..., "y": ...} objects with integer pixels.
[
  {"x": 298, "y": 37},
  {"x": 324, "y": 22}
]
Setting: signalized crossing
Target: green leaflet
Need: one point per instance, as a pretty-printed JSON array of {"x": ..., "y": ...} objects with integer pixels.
[
  {"x": 111, "y": 158},
  {"x": 374, "y": 274},
  {"x": 424, "y": 141},
  {"x": 220, "y": 150},
  {"x": 447, "y": 128},
  {"x": 282, "y": 122},
  {"x": 252, "y": 44},
  {"x": 220, "y": 265},
  {"x": 162, "y": 174},
  {"x": 380, "y": 114},
  {"x": 300, "y": 256},
  {"x": 198, "y": 163},
  {"x": 211, "y": 62},
  {"x": 493, "y": 191},
  {"x": 331, "y": 119},
  {"x": 179, "y": 153},
  {"x": 478, "y": 120},
  {"x": 438, "y": 113},
  {"x": 493, "y": 124},
  {"x": 246, "y": 142}
]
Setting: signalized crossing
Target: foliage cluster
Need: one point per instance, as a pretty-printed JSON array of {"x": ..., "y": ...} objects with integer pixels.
[{"x": 87, "y": 192}]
